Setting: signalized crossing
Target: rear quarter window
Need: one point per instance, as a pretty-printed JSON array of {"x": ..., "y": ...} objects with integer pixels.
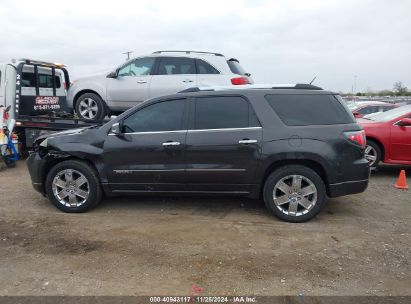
[{"x": 304, "y": 110}]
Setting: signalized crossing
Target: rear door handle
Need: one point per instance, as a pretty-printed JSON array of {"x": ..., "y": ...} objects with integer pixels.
[
  {"x": 247, "y": 141},
  {"x": 188, "y": 80},
  {"x": 141, "y": 81},
  {"x": 171, "y": 143}
]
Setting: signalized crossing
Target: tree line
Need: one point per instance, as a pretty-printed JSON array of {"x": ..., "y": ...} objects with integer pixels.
[{"x": 398, "y": 89}]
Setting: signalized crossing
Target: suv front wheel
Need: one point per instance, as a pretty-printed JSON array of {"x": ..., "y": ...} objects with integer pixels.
[
  {"x": 90, "y": 106},
  {"x": 294, "y": 193},
  {"x": 73, "y": 186}
]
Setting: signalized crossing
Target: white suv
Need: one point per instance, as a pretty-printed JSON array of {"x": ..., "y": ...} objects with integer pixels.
[{"x": 161, "y": 73}]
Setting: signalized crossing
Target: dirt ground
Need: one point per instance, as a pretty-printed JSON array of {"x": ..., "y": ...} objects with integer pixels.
[{"x": 358, "y": 245}]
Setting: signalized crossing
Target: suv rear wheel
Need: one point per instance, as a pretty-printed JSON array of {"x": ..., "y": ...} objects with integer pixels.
[
  {"x": 294, "y": 193},
  {"x": 73, "y": 186},
  {"x": 90, "y": 106}
]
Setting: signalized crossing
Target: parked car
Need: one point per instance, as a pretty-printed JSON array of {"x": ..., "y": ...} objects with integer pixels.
[
  {"x": 161, "y": 73},
  {"x": 294, "y": 146},
  {"x": 359, "y": 109},
  {"x": 388, "y": 137}
]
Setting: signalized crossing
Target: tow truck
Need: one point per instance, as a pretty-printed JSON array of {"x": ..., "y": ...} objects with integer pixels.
[{"x": 36, "y": 93}]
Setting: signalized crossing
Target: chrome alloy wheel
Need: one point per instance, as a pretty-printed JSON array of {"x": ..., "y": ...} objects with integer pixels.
[
  {"x": 88, "y": 108},
  {"x": 370, "y": 155},
  {"x": 70, "y": 188},
  {"x": 295, "y": 195}
]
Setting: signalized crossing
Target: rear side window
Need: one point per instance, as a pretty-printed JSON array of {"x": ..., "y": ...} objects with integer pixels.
[
  {"x": 176, "y": 65},
  {"x": 45, "y": 81},
  {"x": 205, "y": 68},
  {"x": 235, "y": 67},
  {"x": 221, "y": 112},
  {"x": 304, "y": 110}
]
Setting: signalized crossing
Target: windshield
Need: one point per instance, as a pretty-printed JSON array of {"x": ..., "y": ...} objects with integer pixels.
[{"x": 391, "y": 114}]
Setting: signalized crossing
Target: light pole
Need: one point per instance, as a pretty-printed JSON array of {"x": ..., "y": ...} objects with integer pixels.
[{"x": 128, "y": 54}]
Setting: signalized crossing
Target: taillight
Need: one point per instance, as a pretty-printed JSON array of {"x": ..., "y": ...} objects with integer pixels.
[
  {"x": 239, "y": 81},
  {"x": 357, "y": 137}
]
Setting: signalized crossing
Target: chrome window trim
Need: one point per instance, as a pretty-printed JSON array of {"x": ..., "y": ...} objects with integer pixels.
[
  {"x": 153, "y": 132},
  {"x": 223, "y": 129},
  {"x": 193, "y": 130}
]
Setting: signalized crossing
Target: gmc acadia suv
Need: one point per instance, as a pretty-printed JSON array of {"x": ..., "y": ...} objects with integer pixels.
[
  {"x": 161, "y": 73},
  {"x": 294, "y": 146}
]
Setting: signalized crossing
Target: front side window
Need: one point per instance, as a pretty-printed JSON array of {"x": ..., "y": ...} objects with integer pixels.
[
  {"x": 205, "y": 68},
  {"x": 138, "y": 67},
  {"x": 305, "y": 110},
  {"x": 162, "y": 116},
  {"x": 176, "y": 65},
  {"x": 220, "y": 112}
]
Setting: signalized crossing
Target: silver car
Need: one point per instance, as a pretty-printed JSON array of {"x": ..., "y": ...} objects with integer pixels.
[{"x": 141, "y": 78}]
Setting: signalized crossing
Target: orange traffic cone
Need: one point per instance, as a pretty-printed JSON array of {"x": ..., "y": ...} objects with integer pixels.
[{"x": 401, "y": 181}]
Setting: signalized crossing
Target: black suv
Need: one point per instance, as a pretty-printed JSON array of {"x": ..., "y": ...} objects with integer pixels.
[{"x": 293, "y": 146}]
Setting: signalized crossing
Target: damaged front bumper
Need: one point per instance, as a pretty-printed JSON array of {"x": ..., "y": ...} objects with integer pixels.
[{"x": 36, "y": 166}]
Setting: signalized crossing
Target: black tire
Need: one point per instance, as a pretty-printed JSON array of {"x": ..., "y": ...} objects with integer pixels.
[
  {"x": 94, "y": 187},
  {"x": 308, "y": 175},
  {"x": 95, "y": 99},
  {"x": 378, "y": 153}
]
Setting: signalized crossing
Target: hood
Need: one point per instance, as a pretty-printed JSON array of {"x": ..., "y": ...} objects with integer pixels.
[
  {"x": 94, "y": 77},
  {"x": 41, "y": 139}
]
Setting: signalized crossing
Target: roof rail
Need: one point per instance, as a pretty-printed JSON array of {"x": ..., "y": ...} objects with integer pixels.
[
  {"x": 51, "y": 64},
  {"x": 188, "y": 52},
  {"x": 298, "y": 86}
]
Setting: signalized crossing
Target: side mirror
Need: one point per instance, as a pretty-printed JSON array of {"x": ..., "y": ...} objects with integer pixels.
[
  {"x": 404, "y": 122},
  {"x": 116, "y": 128},
  {"x": 356, "y": 114},
  {"x": 112, "y": 74}
]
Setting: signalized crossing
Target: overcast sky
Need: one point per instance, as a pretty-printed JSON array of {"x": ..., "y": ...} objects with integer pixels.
[{"x": 276, "y": 41}]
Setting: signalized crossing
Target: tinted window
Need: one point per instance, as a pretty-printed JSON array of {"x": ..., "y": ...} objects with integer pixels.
[
  {"x": 303, "y": 110},
  {"x": 223, "y": 112},
  {"x": 163, "y": 116},
  {"x": 176, "y": 65},
  {"x": 45, "y": 81},
  {"x": 368, "y": 110},
  {"x": 392, "y": 114},
  {"x": 205, "y": 68},
  {"x": 138, "y": 67},
  {"x": 235, "y": 67}
]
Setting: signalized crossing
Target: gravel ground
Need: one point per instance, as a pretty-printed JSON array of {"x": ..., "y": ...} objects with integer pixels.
[{"x": 358, "y": 245}]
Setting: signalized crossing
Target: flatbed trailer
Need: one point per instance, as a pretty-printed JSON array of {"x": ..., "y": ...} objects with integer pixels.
[{"x": 38, "y": 110}]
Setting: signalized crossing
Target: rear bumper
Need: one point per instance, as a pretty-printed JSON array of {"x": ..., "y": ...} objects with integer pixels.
[
  {"x": 36, "y": 165},
  {"x": 348, "y": 187}
]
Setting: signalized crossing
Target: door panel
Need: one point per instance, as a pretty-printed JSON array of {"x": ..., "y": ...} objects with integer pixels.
[
  {"x": 123, "y": 91},
  {"x": 132, "y": 83},
  {"x": 173, "y": 75},
  {"x": 218, "y": 161},
  {"x": 171, "y": 84},
  {"x": 223, "y": 144},
  {"x": 140, "y": 162},
  {"x": 400, "y": 143},
  {"x": 149, "y": 154}
]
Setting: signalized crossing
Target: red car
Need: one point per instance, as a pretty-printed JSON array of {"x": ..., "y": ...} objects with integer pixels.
[
  {"x": 361, "y": 109},
  {"x": 388, "y": 137}
]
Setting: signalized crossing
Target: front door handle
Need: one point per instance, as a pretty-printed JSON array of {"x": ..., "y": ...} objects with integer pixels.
[
  {"x": 187, "y": 80},
  {"x": 171, "y": 143},
  {"x": 247, "y": 141},
  {"x": 141, "y": 81}
]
